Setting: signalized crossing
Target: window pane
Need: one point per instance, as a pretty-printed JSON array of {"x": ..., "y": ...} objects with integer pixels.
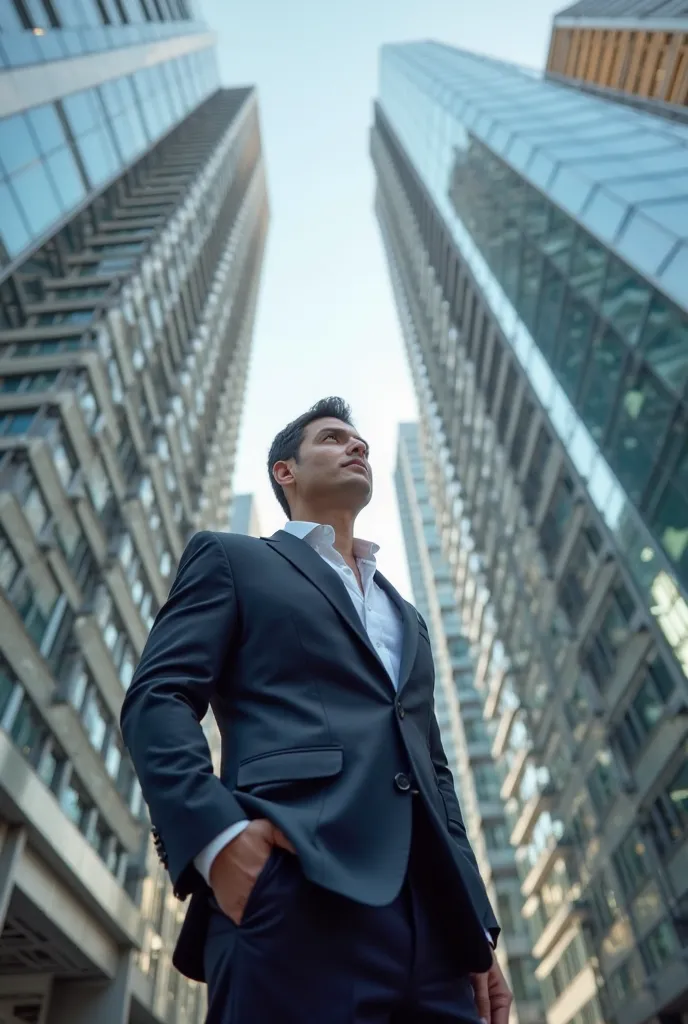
[
  {"x": 17, "y": 147},
  {"x": 665, "y": 342},
  {"x": 587, "y": 267},
  {"x": 549, "y": 312},
  {"x": 37, "y": 197},
  {"x": 639, "y": 432},
  {"x": 575, "y": 332},
  {"x": 47, "y": 128},
  {"x": 13, "y": 229},
  {"x": 98, "y": 156},
  {"x": 67, "y": 178},
  {"x": 607, "y": 359},
  {"x": 624, "y": 300}
]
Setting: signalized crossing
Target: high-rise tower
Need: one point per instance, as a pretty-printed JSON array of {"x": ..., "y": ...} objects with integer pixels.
[
  {"x": 468, "y": 740},
  {"x": 132, "y": 225},
  {"x": 538, "y": 248}
]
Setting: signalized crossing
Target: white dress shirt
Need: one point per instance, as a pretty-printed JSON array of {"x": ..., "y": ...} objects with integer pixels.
[{"x": 379, "y": 616}]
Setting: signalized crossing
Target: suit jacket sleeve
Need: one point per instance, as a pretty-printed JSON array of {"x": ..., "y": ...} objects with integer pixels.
[
  {"x": 168, "y": 697},
  {"x": 457, "y": 829}
]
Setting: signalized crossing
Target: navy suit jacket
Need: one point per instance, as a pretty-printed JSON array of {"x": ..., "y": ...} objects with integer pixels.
[{"x": 314, "y": 736}]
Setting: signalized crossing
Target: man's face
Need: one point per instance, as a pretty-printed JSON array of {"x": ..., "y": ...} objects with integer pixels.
[{"x": 332, "y": 467}]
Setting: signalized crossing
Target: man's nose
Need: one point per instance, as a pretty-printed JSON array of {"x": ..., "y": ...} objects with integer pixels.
[{"x": 357, "y": 448}]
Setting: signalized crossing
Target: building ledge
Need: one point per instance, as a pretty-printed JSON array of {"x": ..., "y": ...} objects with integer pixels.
[{"x": 529, "y": 815}]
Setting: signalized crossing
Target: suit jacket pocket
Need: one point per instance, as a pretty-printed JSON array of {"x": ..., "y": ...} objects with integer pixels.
[{"x": 300, "y": 764}]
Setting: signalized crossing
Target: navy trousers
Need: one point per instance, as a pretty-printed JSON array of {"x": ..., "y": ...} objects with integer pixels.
[{"x": 303, "y": 955}]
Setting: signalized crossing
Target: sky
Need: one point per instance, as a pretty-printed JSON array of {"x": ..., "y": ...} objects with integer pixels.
[{"x": 326, "y": 320}]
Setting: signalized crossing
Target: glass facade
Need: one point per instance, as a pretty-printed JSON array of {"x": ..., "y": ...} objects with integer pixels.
[
  {"x": 40, "y": 31},
  {"x": 549, "y": 357},
  {"x": 124, "y": 343},
  {"x": 468, "y": 740},
  {"x": 53, "y": 156}
]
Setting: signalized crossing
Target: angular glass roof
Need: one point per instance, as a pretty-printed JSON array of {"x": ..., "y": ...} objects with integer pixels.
[
  {"x": 608, "y": 9},
  {"x": 621, "y": 173}
]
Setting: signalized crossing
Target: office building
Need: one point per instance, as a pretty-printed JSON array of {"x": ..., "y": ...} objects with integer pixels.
[
  {"x": 538, "y": 250},
  {"x": 133, "y": 221},
  {"x": 635, "y": 51},
  {"x": 244, "y": 516},
  {"x": 459, "y": 707}
]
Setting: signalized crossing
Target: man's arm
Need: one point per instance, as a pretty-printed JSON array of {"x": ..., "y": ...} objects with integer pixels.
[
  {"x": 169, "y": 695},
  {"x": 457, "y": 829}
]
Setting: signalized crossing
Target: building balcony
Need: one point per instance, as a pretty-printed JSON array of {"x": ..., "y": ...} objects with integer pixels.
[
  {"x": 538, "y": 872},
  {"x": 569, "y": 914},
  {"x": 515, "y": 774},
  {"x": 530, "y": 813},
  {"x": 503, "y": 732}
]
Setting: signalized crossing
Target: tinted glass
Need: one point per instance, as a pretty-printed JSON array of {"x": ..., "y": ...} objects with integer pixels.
[{"x": 17, "y": 145}]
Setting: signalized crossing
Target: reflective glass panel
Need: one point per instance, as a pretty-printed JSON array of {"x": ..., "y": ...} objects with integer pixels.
[
  {"x": 37, "y": 197},
  {"x": 66, "y": 177},
  {"x": 17, "y": 146},
  {"x": 624, "y": 300},
  {"x": 575, "y": 331},
  {"x": 665, "y": 342},
  {"x": 13, "y": 228},
  {"x": 639, "y": 432},
  {"x": 607, "y": 359},
  {"x": 549, "y": 308},
  {"x": 46, "y": 126},
  {"x": 587, "y": 266}
]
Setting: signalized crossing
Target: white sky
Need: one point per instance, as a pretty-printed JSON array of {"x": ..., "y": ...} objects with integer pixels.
[{"x": 326, "y": 319}]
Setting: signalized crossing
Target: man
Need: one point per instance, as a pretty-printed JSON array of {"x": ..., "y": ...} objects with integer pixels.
[{"x": 332, "y": 878}]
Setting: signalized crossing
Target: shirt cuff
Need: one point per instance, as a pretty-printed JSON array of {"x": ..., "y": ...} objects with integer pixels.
[
  {"x": 203, "y": 861},
  {"x": 489, "y": 938}
]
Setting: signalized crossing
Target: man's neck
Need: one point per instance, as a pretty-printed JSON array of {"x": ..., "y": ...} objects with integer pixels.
[{"x": 342, "y": 523}]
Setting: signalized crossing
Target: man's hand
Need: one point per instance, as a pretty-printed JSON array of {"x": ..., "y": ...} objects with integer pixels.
[
  {"x": 235, "y": 870},
  {"x": 492, "y": 995}
]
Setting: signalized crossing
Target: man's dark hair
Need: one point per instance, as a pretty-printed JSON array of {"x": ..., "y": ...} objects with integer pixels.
[{"x": 287, "y": 444}]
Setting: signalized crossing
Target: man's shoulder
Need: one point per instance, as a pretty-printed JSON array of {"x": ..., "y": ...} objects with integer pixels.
[{"x": 229, "y": 541}]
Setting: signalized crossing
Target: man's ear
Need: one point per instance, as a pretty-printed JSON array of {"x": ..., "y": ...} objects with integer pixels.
[{"x": 282, "y": 472}]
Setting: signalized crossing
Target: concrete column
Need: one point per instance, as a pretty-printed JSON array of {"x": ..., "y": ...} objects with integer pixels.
[
  {"x": 13, "y": 843},
  {"x": 88, "y": 1002}
]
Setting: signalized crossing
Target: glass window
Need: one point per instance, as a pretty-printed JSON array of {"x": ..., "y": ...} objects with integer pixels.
[
  {"x": 625, "y": 300},
  {"x": 74, "y": 803},
  {"x": 13, "y": 228},
  {"x": 639, "y": 432},
  {"x": 575, "y": 332},
  {"x": 645, "y": 244},
  {"x": 37, "y": 197},
  {"x": 630, "y": 862},
  {"x": 47, "y": 129},
  {"x": 529, "y": 284},
  {"x": 66, "y": 177},
  {"x": 94, "y": 719},
  {"x": 549, "y": 308},
  {"x": 607, "y": 358},
  {"x": 558, "y": 242},
  {"x": 17, "y": 147},
  {"x": 8, "y": 680},
  {"x": 665, "y": 342},
  {"x": 587, "y": 266},
  {"x": 80, "y": 111},
  {"x": 98, "y": 155},
  {"x": 28, "y": 731}
]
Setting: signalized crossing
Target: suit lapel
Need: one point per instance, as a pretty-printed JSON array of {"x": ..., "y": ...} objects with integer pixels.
[
  {"x": 325, "y": 578},
  {"x": 409, "y": 624}
]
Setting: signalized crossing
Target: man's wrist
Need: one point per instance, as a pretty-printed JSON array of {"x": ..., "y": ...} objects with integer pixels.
[{"x": 204, "y": 861}]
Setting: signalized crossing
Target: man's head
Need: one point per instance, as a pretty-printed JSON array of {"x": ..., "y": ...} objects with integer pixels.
[{"x": 319, "y": 462}]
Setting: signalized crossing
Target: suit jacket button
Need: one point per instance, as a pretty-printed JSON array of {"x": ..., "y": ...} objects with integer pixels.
[
  {"x": 402, "y": 782},
  {"x": 401, "y": 710}
]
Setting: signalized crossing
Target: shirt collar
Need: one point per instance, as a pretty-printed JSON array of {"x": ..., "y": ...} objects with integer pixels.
[{"x": 319, "y": 533}]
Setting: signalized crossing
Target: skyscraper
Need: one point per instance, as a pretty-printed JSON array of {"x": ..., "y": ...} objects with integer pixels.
[
  {"x": 459, "y": 707},
  {"x": 632, "y": 50},
  {"x": 133, "y": 219},
  {"x": 538, "y": 249}
]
